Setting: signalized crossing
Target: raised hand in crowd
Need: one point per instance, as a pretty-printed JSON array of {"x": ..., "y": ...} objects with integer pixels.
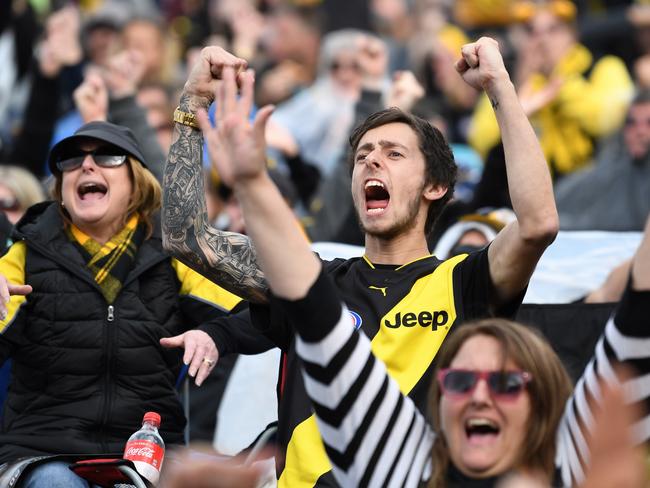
[
  {"x": 201, "y": 84},
  {"x": 532, "y": 100},
  {"x": 280, "y": 138},
  {"x": 405, "y": 91},
  {"x": 247, "y": 26},
  {"x": 223, "y": 257},
  {"x": 61, "y": 45},
  {"x": 517, "y": 248},
  {"x": 7, "y": 290},
  {"x": 238, "y": 153},
  {"x": 481, "y": 64},
  {"x": 91, "y": 97},
  {"x": 200, "y": 354},
  {"x": 373, "y": 61},
  {"x": 615, "y": 460},
  {"x": 123, "y": 73}
]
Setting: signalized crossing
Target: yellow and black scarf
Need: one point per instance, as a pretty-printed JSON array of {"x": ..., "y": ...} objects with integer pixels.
[{"x": 110, "y": 263}]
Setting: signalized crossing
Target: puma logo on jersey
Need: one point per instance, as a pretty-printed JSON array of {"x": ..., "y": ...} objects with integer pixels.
[
  {"x": 379, "y": 288},
  {"x": 434, "y": 319}
]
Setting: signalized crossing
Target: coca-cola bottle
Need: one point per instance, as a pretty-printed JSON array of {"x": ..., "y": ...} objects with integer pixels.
[{"x": 146, "y": 448}]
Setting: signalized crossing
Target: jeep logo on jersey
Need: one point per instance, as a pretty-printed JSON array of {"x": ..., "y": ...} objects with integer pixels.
[
  {"x": 434, "y": 319},
  {"x": 356, "y": 319}
]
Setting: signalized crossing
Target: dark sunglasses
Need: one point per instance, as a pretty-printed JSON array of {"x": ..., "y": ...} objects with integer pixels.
[
  {"x": 105, "y": 157},
  {"x": 9, "y": 204},
  {"x": 502, "y": 384}
]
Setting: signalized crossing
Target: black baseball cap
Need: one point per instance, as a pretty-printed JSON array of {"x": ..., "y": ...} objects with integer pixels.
[{"x": 116, "y": 135}]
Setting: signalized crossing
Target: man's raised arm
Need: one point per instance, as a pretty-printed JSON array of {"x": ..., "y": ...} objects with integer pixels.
[
  {"x": 226, "y": 258},
  {"x": 514, "y": 253}
]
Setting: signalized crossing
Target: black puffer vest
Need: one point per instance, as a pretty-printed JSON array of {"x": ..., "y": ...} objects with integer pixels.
[{"x": 84, "y": 372}]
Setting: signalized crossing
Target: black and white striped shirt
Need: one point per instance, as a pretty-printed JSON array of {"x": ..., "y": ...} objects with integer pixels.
[{"x": 375, "y": 436}]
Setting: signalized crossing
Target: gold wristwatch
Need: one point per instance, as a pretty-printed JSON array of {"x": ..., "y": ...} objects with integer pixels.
[{"x": 186, "y": 118}]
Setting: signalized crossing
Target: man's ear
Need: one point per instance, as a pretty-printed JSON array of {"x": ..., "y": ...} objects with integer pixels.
[{"x": 434, "y": 191}]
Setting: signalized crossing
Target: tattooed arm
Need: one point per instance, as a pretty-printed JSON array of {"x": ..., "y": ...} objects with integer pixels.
[{"x": 227, "y": 258}]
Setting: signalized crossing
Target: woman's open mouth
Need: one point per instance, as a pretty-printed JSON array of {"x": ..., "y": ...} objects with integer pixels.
[
  {"x": 480, "y": 430},
  {"x": 91, "y": 191}
]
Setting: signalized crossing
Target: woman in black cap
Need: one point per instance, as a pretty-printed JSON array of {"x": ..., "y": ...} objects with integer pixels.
[{"x": 87, "y": 337}]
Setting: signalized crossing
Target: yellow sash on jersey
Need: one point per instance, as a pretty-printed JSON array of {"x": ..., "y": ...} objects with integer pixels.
[{"x": 407, "y": 353}]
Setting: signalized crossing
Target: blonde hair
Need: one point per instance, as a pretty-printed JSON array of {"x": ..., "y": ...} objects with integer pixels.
[
  {"x": 23, "y": 184},
  {"x": 146, "y": 196},
  {"x": 549, "y": 391}
]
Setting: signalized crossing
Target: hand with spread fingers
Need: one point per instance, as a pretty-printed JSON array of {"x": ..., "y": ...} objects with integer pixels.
[
  {"x": 202, "y": 82},
  {"x": 201, "y": 353},
  {"x": 7, "y": 290},
  {"x": 237, "y": 148}
]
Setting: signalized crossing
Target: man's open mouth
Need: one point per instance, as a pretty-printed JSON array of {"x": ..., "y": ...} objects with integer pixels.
[{"x": 377, "y": 197}]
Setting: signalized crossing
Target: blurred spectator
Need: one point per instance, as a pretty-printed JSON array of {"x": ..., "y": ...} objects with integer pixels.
[
  {"x": 618, "y": 27},
  {"x": 18, "y": 31},
  {"x": 101, "y": 32},
  {"x": 453, "y": 101},
  {"x": 321, "y": 117},
  {"x": 155, "y": 98},
  {"x": 332, "y": 215},
  {"x": 108, "y": 93},
  {"x": 147, "y": 36},
  {"x": 5, "y": 243},
  {"x": 393, "y": 19},
  {"x": 570, "y": 98},
  {"x": 473, "y": 232},
  {"x": 59, "y": 50},
  {"x": 19, "y": 190},
  {"x": 613, "y": 194},
  {"x": 291, "y": 41}
]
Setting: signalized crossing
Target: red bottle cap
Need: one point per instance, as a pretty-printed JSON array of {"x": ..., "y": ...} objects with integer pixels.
[{"x": 152, "y": 417}]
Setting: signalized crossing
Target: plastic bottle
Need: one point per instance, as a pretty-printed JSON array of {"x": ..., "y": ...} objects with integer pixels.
[{"x": 146, "y": 448}]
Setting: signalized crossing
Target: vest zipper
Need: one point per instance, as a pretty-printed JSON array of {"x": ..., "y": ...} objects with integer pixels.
[{"x": 108, "y": 387}]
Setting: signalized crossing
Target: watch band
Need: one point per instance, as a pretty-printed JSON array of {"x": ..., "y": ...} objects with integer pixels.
[{"x": 186, "y": 118}]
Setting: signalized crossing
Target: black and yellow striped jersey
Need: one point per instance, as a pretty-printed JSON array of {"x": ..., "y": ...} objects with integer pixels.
[{"x": 406, "y": 311}]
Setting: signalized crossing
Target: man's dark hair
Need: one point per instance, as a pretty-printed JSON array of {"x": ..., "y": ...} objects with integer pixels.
[{"x": 440, "y": 167}]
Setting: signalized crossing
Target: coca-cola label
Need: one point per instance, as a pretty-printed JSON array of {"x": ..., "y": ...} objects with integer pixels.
[{"x": 145, "y": 451}]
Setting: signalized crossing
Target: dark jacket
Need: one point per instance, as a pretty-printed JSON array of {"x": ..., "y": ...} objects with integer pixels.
[{"x": 84, "y": 372}]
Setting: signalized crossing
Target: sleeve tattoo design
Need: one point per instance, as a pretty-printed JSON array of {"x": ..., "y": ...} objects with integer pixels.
[{"x": 227, "y": 258}]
